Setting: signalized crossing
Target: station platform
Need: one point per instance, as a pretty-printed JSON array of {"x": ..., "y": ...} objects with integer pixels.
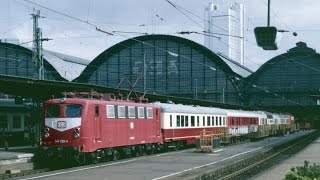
[
  {"x": 309, "y": 153},
  {"x": 16, "y": 159},
  {"x": 184, "y": 164}
]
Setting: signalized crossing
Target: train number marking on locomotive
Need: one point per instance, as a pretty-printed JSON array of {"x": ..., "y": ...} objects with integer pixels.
[{"x": 61, "y": 141}]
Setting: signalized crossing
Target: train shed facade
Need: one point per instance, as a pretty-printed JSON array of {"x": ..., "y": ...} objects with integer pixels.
[
  {"x": 287, "y": 82},
  {"x": 167, "y": 65}
]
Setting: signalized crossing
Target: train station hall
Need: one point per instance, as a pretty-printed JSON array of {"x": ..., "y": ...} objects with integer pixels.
[{"x": 169, "y": 66}]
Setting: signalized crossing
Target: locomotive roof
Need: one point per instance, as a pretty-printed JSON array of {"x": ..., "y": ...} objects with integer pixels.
[
  {"x": 179, "y": 108},
  {"x": 98, "y": 101}
]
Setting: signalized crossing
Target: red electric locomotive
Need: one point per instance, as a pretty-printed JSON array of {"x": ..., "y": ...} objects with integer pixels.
[{"x": 93, "y": 126}]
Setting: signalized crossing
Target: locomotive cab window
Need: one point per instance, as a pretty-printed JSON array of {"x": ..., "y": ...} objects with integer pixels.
[
  {"x": 149, "y": 113},
  {"x": 53, "y": 111},
  {"x": 73, "y": 110},
  {"x": 110, "y": 111}
]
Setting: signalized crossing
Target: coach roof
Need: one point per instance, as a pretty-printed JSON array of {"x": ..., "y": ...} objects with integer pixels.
[{"x": 179, "y": 108}]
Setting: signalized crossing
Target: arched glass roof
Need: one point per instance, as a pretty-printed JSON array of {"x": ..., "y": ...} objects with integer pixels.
[
  {"x": 16, "y": 60},
  {"x": 169, "y": 65}
]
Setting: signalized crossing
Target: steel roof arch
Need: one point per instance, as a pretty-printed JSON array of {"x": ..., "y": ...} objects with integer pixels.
[
  {"x": 102, "y": 57},
  {"x": 300, "y": 51}
]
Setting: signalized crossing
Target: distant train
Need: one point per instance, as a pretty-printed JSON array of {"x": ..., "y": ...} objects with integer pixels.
[{"x": 92, "y": 127}]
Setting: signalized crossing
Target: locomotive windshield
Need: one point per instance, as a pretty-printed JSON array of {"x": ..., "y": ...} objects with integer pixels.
[
  {"x": 73, "y": 110},
  {"x": 53, "y": 111}
]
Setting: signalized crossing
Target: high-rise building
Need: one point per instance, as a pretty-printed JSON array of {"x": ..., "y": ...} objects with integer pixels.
[{"x": 224, "y": 28}]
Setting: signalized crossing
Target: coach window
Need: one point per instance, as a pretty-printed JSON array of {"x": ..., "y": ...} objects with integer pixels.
[
  {"x": 212, "y": 121},
  {"x": 141, "y": 112},
  {"x": 203, "y": 121},
  {"x": 208, "y": 121},
  {"x": 110, "y": 111},
  {"x": 121, "y": 111},
  {"x": 178, "y": 121},
  {"x": 149, "y": 113},
  {"x": 187, "y": 121},
  {"x": 216, "y": 120},
  {"x": 192, "y": 121},
  {"x": 170, "y": 120},
  {"x": 131, "y": 112},
  {"x": 198, "y": 121},
  {"x": 220, "y": 121},
  {"x": 182, "y": 121}
]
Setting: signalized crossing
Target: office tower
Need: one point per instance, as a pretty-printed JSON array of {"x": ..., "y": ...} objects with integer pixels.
[{"x": 224, "y": 28}]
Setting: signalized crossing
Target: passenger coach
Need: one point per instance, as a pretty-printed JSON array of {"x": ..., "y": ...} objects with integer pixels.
[{"x": 182, "y": 123}]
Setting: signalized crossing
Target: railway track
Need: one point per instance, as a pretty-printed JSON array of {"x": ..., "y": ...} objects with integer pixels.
[
  {"x": 246, "y": 168},
  {"x": 22, "y": 173}
]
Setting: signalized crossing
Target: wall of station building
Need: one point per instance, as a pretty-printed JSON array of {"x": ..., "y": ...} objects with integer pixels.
[{"x": 165, "y": 65}]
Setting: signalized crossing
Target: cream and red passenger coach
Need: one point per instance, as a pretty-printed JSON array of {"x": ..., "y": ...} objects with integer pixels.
[{"x": 184, "y": 123}]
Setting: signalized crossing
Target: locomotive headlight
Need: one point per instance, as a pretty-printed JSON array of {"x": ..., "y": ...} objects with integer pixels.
[
  {"x": 76, "y": 135},
  {"x": 46, "y": 135},
  {"x": 46, "y": 130},
  {"x": 76, "y": 130}
]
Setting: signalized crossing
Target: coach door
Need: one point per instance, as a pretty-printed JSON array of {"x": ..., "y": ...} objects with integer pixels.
[
  {"x": 97, "y": 122},
  {"x": 158, "y": 128}
]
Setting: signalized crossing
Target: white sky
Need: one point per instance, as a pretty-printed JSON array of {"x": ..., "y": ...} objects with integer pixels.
[{"x": 82, "y": 40}]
